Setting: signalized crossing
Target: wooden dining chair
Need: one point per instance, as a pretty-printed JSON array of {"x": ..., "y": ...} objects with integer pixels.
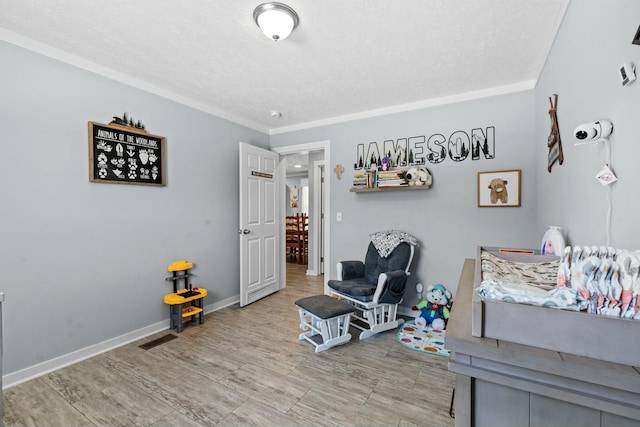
[
  {"x": 292, "y": 238},
  {"x": 304, "y": 238}
]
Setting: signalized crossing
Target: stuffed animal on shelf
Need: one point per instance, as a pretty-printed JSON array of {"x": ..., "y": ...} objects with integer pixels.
[
  {"x": 418, "y": 176},
  {"x": 434, "y": 309}
]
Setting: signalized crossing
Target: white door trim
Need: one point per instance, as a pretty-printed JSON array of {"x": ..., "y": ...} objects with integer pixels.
[
  {"x": 309, "y": 146},
  {"x": 317, "y": 215}
]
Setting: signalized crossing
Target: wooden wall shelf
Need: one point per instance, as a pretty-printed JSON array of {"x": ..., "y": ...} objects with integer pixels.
[{"x": 399, "y": 188}]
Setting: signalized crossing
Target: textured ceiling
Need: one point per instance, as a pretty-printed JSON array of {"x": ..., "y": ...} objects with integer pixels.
[
  {"x": 345, "y": 58},
  {"x": 298, "y": 159}
]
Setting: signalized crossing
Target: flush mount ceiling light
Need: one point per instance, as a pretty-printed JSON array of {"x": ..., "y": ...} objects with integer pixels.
[{"x": 276, "y": 20}]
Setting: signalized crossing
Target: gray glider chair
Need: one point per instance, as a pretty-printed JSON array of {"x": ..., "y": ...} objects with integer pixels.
[{"x": 375, "y": 287}]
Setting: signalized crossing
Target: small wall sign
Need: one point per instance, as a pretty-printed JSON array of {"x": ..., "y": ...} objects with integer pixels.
[
  {"x": 125, "y": 155},
  {"x": 262, "y": 174}
]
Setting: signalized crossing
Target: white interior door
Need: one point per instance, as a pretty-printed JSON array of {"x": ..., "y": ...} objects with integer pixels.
[{"x": 259, "y": 223}]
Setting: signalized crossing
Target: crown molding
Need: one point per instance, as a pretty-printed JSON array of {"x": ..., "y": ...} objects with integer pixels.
[
  {"x": 435, "y": 102},
  {"x": 60, "y": 55}
]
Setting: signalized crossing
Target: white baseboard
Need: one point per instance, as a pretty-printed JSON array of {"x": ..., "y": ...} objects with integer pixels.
[
  {"x": 406, "y": 311},
  {"x": 43, "y": 368},
  {"x": 221, "y": 304}
]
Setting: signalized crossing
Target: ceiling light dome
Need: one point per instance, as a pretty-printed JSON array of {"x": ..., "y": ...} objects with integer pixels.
[{"x": 276, "y": 20}]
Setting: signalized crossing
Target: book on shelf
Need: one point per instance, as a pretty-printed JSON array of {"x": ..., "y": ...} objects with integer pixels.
[
  {"x": 375, "y": 178},
  {"x": 390, "y": 173},
  {"x": 360, "y": 181},
  {"x": 391, "y": 178},
  {"x": 372, "y": 179},
  {"x": 392, "y": 183}
]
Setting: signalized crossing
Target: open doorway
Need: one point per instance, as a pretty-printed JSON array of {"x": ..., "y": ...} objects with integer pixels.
[
  {"x": 304, "y": 210},
  {"x": 312, "y": 190}
]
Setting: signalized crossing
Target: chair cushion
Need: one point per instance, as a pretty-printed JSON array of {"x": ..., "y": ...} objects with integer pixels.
[
  {"x": 374, "y": 264},
  {"x": 394, "y": 287},
  {"x": 358, "y": 288},
  {"x": 352, "y": 270},
  {"x": 324, "y": 307}
]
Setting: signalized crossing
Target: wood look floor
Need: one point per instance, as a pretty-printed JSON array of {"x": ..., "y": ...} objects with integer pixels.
[{"x": 243, "y": 367}]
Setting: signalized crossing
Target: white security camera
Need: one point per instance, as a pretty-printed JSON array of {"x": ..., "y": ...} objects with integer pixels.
[{"x": 594, "y": 131}]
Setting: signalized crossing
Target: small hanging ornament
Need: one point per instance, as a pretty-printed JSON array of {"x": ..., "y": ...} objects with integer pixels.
[
  {"x": 606, "y": 176},
  {"x": 553, "y": 142}
]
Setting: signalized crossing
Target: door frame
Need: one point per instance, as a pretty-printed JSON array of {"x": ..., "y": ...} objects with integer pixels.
[
  {"x": 296, "y": 148},
  {"x": 319, "y": 174}
]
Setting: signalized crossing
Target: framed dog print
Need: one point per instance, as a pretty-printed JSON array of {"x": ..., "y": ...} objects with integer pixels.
[{"x": 499, "y": 189}]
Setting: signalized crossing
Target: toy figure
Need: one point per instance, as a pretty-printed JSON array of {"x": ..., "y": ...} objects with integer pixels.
[
  {"x": 434, "y": 309},
  {"x": 386, "y": 163},
  {"x": 417, "y": 176}
]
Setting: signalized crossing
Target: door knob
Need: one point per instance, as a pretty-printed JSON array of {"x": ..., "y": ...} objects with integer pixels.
[{"x": 244, "y": 231}]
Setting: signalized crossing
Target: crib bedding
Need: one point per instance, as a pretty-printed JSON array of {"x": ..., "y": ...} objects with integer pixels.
[
  {"x": 527, "y": 280},
  {"x": 564, "y": 298},
  {"x": 520, "y": 269}
]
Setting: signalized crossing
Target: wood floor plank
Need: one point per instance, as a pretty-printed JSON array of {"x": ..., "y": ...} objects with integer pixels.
[
  {"x": 356, "y": 389},
  {"x": 198, "y": 356},
  {"x": 257, "y": 414},
  {"x": 279, "y": 392},
  {"x": 83, "y": 379},
  {"x": 34, "y": 403},
  {"x": 203, "y": 400},
  {"x": 322, "y": 407},
  {"x": 121, "y": 405},
  {"x": 408, "y": 407},
  {"x": 175, "y": 419}
]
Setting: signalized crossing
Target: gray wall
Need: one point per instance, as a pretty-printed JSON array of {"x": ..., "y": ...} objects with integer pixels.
[
  {"x": 85, "y": 262},
  {"x": 593, "y": 41},
  {"x": 446, "y": 218}
]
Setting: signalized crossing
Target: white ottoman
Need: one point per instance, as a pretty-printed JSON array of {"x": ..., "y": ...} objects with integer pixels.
[{"x": 327, "y": 317}]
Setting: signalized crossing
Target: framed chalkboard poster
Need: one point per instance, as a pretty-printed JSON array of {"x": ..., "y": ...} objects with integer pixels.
[{"x": 124, "y": 155}]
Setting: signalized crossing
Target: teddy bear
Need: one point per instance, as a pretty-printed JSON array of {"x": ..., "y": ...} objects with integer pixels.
[
  {"x": 417, "y": 176},
  {"x": 434, "y": 309},
  {"x": 498, "y": 189}
]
